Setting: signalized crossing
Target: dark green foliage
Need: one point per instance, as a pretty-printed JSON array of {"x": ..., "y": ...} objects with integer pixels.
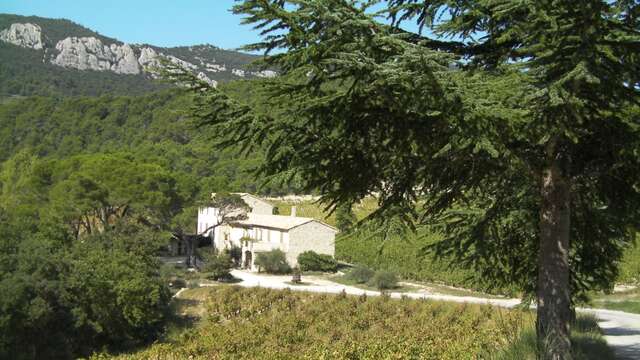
[
  {"x": 177, "y": 283},
  {"x": 390, "y": 114},
  {"x": 345, "y": 218},
  {"x": 78, "y": 253},
  {"x": 404, "y": 254},
  {"x": 32, "y": 298},
  {"x": 103, "y": 293},
  {"x": 153, "y": 128},
  {"x": 118, "y": 298},
  {"x": 360, "y": 274},
  {"x": 272, "y": 262},
  {"x": 514, "y": 130},
  {"x": 312, "y": 261},
  {"x": 218, "y": 266},
  {"x": 236, "y": 255},
  {"x": 383, "y": 280}
]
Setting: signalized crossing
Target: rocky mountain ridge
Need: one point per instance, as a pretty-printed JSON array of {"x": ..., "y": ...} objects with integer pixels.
[
  {"x": 99, "y": 53},
  {"x": 25, "y": 35}
]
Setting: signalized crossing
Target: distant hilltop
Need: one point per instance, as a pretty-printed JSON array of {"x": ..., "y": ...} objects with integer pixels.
[{"x": 73, "y": 47}]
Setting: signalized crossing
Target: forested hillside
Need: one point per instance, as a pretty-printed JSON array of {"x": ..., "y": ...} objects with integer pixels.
[
  {"x": 151, "y": 127},
  {"x": 122, "y": 174}
]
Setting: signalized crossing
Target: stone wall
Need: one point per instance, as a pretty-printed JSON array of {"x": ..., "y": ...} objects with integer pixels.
[{"x": 313, "y": 236}]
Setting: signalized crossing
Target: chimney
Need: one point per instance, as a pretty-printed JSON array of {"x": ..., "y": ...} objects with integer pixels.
[{"x": 293, "y": 211}]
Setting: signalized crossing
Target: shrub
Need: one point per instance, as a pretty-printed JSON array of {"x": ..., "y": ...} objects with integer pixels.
[
  {"x": 273, "y": 262},
  {"x": 116, "y": 295},
  {"x": 312, "y": 261},
  {"x": 169, "y": 272},
  {"x": 219, "y": 266},
  {"x": 177, "y": 283},
  {"x": 404, "y": 255},
  {"x": 236, "y": 255},
  {"x": 384, "y": 280},
  {"x": 360, "y": 274}
]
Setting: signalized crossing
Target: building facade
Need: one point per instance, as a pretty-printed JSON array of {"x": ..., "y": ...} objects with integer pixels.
[{"x": 262, "y": 232}]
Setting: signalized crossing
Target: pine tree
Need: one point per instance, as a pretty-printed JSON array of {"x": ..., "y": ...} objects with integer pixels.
[{"x": 514, "y": 126}]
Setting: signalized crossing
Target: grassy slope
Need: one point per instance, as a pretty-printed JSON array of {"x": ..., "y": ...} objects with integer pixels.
[
  {"x": 227, "y": 322},
  {"x": 314, "y": 210},
  {"x": 628, "y": 301},
  {"x": 404, "y": 255},
  {"x": 630, "y": 265}
]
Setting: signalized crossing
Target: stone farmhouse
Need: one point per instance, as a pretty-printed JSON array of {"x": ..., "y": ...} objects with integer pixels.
[{"x": 262, "y": 231}]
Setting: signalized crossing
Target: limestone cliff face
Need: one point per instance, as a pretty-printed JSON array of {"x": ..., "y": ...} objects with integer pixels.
[
  {"x": 97, "y": 54},
  {"x": 204, "y": 77},
  {"x": 89, "y": 53},
  {"x": 148, "y": 58},
  {"x": 25, "y": 35}
]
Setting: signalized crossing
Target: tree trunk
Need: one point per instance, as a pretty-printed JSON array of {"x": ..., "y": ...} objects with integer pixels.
[
  {"x": 189, "y": 249},
  {"x": 553, "y": 288},
  {"x": 184, "y": 239}
]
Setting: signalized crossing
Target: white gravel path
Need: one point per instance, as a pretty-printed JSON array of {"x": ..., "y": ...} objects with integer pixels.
[{"x": 621, "y": 330}]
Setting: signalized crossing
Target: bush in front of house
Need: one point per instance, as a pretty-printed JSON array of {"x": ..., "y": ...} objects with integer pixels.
[
  {"x": 312, "y": 261},
  {"x": 219, "y": 266},
  {"x": 273, "y": 262},
  {"x": 383, "y": 280},
  {"x": 360, "y": 274},
  {"x": 236, "y": 255}
]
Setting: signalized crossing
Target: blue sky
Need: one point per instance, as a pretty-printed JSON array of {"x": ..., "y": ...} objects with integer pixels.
[{"x": 158, "y": 22}]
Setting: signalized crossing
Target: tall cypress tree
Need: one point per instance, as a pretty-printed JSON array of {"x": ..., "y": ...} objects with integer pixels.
[{"x": 515, "y": 127}]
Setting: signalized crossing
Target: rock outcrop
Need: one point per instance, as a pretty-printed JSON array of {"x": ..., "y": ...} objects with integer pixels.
[
  {"x": 238, "y": 72},
  {"x": 181, "y": 63},
  {"x": 93, "y": 53},
  {"x": 215, "y": 67},
  {"x": 266, "y": 74},
  {"x": 205, "y": 78},
  {"x": 89, "y": 53},
  {"x": 148, "y": 58},
  {"x": 26, "y": 35}
]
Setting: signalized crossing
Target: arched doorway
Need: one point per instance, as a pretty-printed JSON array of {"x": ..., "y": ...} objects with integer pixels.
[{"x": 248, "y": 260}]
